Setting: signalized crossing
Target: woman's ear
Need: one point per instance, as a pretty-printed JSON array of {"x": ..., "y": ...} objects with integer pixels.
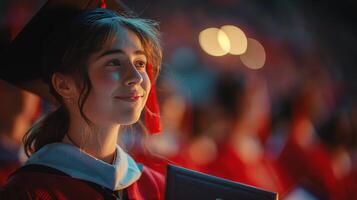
[{"x": 64, "y": 85}]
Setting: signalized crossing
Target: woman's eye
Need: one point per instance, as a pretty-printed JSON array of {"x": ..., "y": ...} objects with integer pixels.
[
  {"x": 113, "y": 63},
  {"x": 140, "y": 64}
]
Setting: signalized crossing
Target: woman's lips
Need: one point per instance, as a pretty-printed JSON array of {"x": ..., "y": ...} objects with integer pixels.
[{"x": 129, "y": 98}]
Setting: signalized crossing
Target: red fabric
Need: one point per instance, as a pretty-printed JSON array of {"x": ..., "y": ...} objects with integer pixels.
[
  {"x": 352, "y": 184},
  {"x": 103, "y": 4},
  {"x": 149, "y": 161},
  {"x": 261, "y": 173},
  {"x": 152, "y": 112},
  {"x": 154, "y": 162},
  {"x": 44, "y": 186},
  {"x": 317, "y": 174},
  {"x": 150, "y": 186},
  {"x": 321, "y": 172},
  {"x": 6, "y": 170},
  {"x": 184, "y": 159}
]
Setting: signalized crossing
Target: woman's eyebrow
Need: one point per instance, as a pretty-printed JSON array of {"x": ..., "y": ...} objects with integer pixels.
[{"x": 119, "y": 51}]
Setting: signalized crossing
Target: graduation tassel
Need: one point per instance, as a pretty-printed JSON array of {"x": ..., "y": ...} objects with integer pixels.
[{"x": 152, "y": 112}]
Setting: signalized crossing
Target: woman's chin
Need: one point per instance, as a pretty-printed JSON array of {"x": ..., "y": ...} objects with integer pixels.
[{"x": 129, "y": 120}]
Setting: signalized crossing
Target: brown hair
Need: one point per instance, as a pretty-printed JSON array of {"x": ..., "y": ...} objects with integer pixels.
[{"x": 67, "y": 51}]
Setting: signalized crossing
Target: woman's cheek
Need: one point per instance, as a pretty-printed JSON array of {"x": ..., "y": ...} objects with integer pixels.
[
  {"x": 111, "y": 76},
  {"x": 106, "y": 80},
  {"x": 114, "y": 76}
]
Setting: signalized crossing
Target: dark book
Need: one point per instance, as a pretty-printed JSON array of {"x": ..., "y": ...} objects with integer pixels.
[{"x": 185, "y": 184}]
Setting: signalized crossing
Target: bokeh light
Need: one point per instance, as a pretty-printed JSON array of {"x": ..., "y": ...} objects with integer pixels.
[
  {"x": 224, "y": 41},
  {"x": 214, "y": 42},
  {"x": 238, "y": 40},
  {"x": 255, "y": 56}
]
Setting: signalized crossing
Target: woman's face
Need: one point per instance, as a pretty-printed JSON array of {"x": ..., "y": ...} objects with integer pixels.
[{"x": 120, "y": 84}]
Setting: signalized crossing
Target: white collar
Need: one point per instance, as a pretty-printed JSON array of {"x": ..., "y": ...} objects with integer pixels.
[{"x": 78, "y": 164}]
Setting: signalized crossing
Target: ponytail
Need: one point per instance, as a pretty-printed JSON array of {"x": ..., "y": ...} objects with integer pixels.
[{"x": 50, "y": 129}]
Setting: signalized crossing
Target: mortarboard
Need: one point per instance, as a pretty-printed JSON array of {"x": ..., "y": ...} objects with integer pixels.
[{"x": 21, "y": 60}]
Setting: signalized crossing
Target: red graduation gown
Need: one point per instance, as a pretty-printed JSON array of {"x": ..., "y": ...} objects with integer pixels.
[
  {"x": 33, "y": 185},
  {"x": 311, "y": 167},
  {"x": 262, "y": 173},
  {"x": 6, "y": 169}
]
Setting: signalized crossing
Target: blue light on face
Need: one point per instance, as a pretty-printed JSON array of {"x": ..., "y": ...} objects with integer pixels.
[{"x": 115, "y": 76}]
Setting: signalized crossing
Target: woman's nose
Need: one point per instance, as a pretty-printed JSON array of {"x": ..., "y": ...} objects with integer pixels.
[{"x": 133, "y": 76}]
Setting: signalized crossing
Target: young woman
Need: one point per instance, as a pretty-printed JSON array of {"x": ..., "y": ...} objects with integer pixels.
[{"x": 100, "y": 67}]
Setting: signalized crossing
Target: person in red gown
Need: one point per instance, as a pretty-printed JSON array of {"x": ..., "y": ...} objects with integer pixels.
[
  {"x": 18, "y": 111},
  {"x": 241, "y": 153},
  {"x": 99, "y": 66},
  {"x": 322, "y": 150}
]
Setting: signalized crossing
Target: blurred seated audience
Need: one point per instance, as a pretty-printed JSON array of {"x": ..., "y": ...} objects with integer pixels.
[{"x": 18, "y": 110}]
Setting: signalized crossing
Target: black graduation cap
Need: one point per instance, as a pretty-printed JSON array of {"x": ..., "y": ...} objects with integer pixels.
[{"x": 21, "y": 61}]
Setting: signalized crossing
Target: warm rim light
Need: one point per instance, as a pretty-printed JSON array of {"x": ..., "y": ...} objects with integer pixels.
[
  {"x": 237, "y": 38},
  {"x": 255, "y": 56},
  {"x": 214, "y": 42}
]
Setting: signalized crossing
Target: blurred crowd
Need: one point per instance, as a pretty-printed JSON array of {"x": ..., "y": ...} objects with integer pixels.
[
  {"x": 290, "y": 127},
  {"x": 303, "y": 146}
]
